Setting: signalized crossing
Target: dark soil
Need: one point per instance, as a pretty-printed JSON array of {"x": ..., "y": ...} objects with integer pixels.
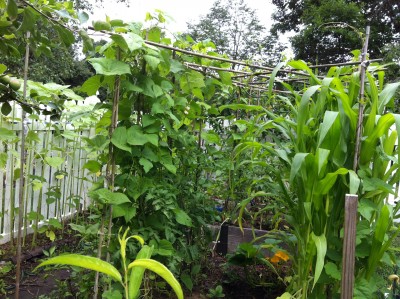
[
  {"x": 257, "y": 281},
  {"x": 34, "y": 284}
]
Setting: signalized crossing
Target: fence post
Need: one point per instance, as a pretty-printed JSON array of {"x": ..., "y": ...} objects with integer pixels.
[{"x": 349, "y": 245}]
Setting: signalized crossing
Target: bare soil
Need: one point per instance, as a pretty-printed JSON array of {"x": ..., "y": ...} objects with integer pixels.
[{"x": 255, "y": 282}]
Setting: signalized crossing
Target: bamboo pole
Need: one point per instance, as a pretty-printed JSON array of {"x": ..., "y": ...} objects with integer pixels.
[
  {"x": 361, "y": 101},
  {"x": 22, "y": 175},
  {"x": 351, "y": 200}
]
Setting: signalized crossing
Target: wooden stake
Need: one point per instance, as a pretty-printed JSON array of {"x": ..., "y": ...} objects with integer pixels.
[
  {"x": 22, "y": 175},
  {"x": 349, "y": 245}
]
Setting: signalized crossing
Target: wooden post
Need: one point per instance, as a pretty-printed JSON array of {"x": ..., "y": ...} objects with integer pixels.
[{"x": 349, "y": 245}]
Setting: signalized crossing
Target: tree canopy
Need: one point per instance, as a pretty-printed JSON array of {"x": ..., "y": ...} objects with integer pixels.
[
  {"x": 326, "y": 31},
  {"x": 236, "y": 30}
]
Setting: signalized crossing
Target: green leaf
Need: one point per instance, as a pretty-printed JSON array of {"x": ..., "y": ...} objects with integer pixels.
[
  {"x": 12, "y": 9},
  {"x": 126, "y": 210},
  {"x": 3, "y": 68},
  {"x": 134, "y": 41},
  {"x": 386, "y": 95},
  {"x": 120, "y": 41},
  {"x": 152, "y": 61},
  {"x": 332, "y": 270},
  {"x": 147, "y": 165},
  {"x": 187, "y": 281},
  {"x": 191, "y": 80},
  {"x": 6, "y": 108},
  {"x": 136, "y": 276},
  {"x": 7, "y": 135},
  {"x": 86, "y": 262},
  {"x": 54, "y": 161},
  {"x": 29, "y": 20},
  {"x": 106, "y": 196},
  {"x": 91, "y": 85},
  {"x": 119, "y": 139},
  {"x": 92, "y": 166},
  {"x": 135, "y": 136},
  {"x": 109, "y": 67},
  {"x": 66, "y": 35},
  {"x": 320, "y": 244},
  {"x": 162, "y": 271},
  {"x": 182, "y": 218},
  {"x": 3, "y": 160}
]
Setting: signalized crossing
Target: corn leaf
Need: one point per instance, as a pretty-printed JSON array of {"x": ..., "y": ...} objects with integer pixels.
[
  {"x": 320, "y": 244},
  {"x": 87, "y": 262},
  {"x": 162, "y": 271}
]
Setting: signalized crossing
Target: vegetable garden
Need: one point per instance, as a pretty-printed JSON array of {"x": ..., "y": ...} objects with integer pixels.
[{"x": 183, "y": 138}]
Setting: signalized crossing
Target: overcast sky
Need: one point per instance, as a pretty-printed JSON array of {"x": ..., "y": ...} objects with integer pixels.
[{"x": 182, "y": 11}]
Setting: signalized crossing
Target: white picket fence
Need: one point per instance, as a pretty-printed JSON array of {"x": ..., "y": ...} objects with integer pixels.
[{"x": 50, "y": 192}]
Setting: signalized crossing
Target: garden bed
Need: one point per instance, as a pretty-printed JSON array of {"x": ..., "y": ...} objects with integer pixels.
[{"x": 237, "y": 282}]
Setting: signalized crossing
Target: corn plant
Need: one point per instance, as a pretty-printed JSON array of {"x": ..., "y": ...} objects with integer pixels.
[
  {"x": 132, "y": 274},
  {"x": 311, "y": 160}
]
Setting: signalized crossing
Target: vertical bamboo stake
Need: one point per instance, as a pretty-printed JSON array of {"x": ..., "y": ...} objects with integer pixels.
[
  {"x": 363, "y": 68},
  {"x": 21, "y": 177},
  {"x": 110, "y": 175},
  {"x": 351, "y": 200}
]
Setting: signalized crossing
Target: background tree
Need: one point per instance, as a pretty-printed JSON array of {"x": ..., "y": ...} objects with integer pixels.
[
  {"x": 235, "y": 30},
  {"x": 320, "y": 38}
]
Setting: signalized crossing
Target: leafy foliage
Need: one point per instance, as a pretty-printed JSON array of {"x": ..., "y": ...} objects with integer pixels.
[
  {"x": 320, "y": 35},
  {"x": 235, "y": 30}
]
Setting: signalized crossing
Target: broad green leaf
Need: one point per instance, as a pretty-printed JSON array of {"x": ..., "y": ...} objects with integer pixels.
[
  {"x": 332, "y": 270},
  {"x": 320, "y": 244},
  {"x": 225, "y": 77},
  {"x": 322, "y": 158},
  {"x": 126, "y": 210},
  {"x": 324, "y": 185},
  {"x": 382, "y": 224},
  {"x": 109, "y": 67},
  {"x": 54, "y": 161},
  {"x": 187, "y": 281},
  {"x": 329, "y": 119},
  {"x": 162, "y": 271},
  {"x": 135, "y": 136},
  {"x": 368, "y": 147},
  {"x": 386, "y": 95},
  {"x": 86, "y": 262},
  {"x": 182, "y": 218},
  {"x": 120, "y": 41},
  {"x": 147, "y": 165},
  {"x": 272, "y": 78},
  {"x": 152, "y": 61},
  {"x": 7, "y": 135},
  {"x": 12, "y": 9},
  {"x": 134, "y": 41},
  {"x": 66, "y": 35},
  {"x": 136, "y": 276},
  {"x": 191, "y": 80},
  {"x": 119, "y": 139},
  {"x": 296, "y": 165},
  {"x": 106, "y": 196},
  {"x": 91, "y": 85},
  {"x": 6, "y": 108},
  {"x": 3, "y": 68},
  {"x": 92, "y": 166},
  {"x": 303, "y": 114},
  {"x": 354, "y": 182},
  {"x": 3, "y": 160},
  {"x": 366, "y": 208}
]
